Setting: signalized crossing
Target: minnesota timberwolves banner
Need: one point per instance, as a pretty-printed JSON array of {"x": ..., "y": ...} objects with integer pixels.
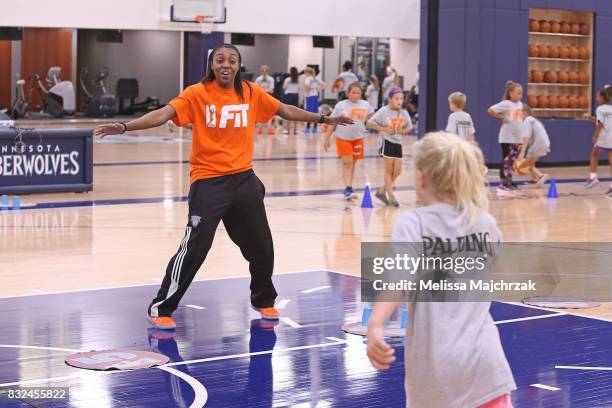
[{"x": 45, "y": 160}]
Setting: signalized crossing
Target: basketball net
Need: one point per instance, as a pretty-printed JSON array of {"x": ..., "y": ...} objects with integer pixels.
[{"x": 206, "y": 23}]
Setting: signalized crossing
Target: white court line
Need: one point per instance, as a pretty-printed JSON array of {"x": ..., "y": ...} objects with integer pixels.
[
  {"x": 195, "y": 307},
  {"x": 336, "y": 342},
  {"x": 565, "y": 311},
  {"x": 584, "y": 368},
  {"x": 282, "y": 303},
  {"x": 201, "y": 395},
  {"x": 522, "y": 319},
  {"x": 316, "y": 289},
  {"x": 38, "y": 348},
  {"x": 545, "y": 387},
  {"x": 138, "y": 285},
  {"x": 290, "y": 322}
]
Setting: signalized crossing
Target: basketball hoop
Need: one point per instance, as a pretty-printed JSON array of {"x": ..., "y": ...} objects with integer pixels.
[{"x": 206, "y": 23}]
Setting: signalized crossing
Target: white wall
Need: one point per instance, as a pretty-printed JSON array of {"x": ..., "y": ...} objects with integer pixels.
[
  {"x": 405, "y": 59},
  {"x": 364, "y": 18}
]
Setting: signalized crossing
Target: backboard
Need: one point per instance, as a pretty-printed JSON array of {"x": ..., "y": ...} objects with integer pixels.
[{"x": 187, "y": 11}]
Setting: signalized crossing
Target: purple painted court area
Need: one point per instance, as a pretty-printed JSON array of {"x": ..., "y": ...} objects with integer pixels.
[{"x": 224, "y": 356}]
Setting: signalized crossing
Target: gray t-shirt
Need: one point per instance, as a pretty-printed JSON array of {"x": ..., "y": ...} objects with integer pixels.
[
  {"x": 265, "y": 84},
  {"x": 453, "y": 354},
  {"x": 460, "y": 123},
  {"x": 604, "y": 116},
  {"x": 510, "y": 132},
  {"x": 397, "y": 119},
  {"x": 348, "y": 77},
  {"x": 539, "y": 142},
  {"x": 358, "y": 112}
]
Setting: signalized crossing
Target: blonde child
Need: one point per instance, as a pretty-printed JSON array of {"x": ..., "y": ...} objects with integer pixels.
[
  {"x": 349, "y": 139},
  {"x": 510, "y": 112},
  {"x": 602, "y": 138},
  {"x": 265, "y": 82},
  {"x": 312, "y": 87},
  {"x": 536, "y": 144},
  {"x": 453, "y": 355},
  {"x": 460, "y": 122},
  {"x": 389, "y": 83},
  {"x": 392, "y": 122}
]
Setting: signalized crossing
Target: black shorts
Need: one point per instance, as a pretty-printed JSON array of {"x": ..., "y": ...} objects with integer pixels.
[
  {"x": 390, "y": 149},
  {"x": 291, "y": 99}
]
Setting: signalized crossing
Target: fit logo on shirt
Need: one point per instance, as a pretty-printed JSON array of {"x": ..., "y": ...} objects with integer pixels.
[
  {"x": 236, "y": 113},
  {"x": 516, "y": 114},
  {"x": 395, "y": 123},
  {"x": 358, "y": 114}
]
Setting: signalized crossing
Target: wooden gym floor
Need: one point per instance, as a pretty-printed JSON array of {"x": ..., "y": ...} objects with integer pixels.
[{"x": 125, "y": 231}]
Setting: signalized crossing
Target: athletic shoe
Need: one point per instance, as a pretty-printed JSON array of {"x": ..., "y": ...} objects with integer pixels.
[
  {"x": 542, "y": 180},
  {"x": 591, "y": 182},
  {"x": 382, "y": 197},
  {"x": 513, "y": 185},
  {"x": 609, "y": 193},
  {"x": 393, "y": 202},
  {"x": 505, "y": 191},
  {"x": 162, "y": 322},
  {"x": 268, "y": 313},
  {"x": 348, "y": 194},
  {"x": 314, "y": 130},
  {"x": 307, "y": 130}
]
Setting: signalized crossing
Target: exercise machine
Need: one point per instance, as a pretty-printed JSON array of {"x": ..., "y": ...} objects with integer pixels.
[
  {"x": 128, "y": 88},
  {"x": 98, "y": 103}
]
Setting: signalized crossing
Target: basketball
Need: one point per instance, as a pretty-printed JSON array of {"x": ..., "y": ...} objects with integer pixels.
[
  {"x": 564, "y": 52},
  {"x": 553, "y": 101},
  {"x": 565, "y": 27},
  {"x": 543, "y": 101},
  {"x": 544, "y": 26},
  {"x": 583, "y": 102},
  {"x": 534, "y": 26},
  {"x": 555, "y": 27},
  {"x": 563, "y": 77},
  {"x": 537, "y": 76},
  {"x": 532, "y": 101},
  {"x": 534, "y": 50},
  {"x": 585, "y": 29},
  {"x": 555, "y": 51},
  {"x": 563, "y": 102},
  {"x": 573, "y": 102},
  {"x": 574, "y": 52},
  {"x": 551, "y": 77},
  {"x": 573, "y": 77},
  {"x": 583, "y": 78},
  {"x": 521, "y": 167},
  {"x": 583, "y": 52},
  {"x": 544, "y": 51},
  {"x": 575, "y": 28}
]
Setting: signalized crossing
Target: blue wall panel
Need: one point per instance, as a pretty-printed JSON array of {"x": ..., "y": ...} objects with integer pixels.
[{"x": 484, "y": 45}]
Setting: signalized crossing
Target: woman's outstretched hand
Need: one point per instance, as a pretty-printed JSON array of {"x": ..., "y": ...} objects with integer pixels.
[{"x": 109, "y": 129}]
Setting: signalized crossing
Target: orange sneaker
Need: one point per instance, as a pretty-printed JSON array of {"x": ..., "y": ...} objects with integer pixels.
[
  {"x": 268, "y": 313},
  {"x": 162, "y": 322}
]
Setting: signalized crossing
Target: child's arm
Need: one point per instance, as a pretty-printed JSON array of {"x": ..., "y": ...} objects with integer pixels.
[
  {"x": 383, "y": 129},
  {"x": 380, "y": 354},
  {"x": 523, "y": 150},
  {"x": 327, "y": 135},
  {"x": 598, "y": 129},
  {"x": 496, "y": 115}
]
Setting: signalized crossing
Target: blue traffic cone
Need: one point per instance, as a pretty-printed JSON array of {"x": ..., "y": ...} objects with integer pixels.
[
  {"x": 404, "y": 318},
  {"x": 5, "y": 201},
  {"x": 552, "y": 189},
  {"x": 366, "y": 214},
  {"x": 366, "y": 202},
  {"x": 16, "y": 202},
  {"x": 365, "y": 316}
]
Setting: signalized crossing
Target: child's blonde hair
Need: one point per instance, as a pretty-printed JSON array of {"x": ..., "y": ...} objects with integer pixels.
[
  {"x": 309, "y": 70},
  {"x": 456, "y": 171},
  {"x": 458, "y": 99}
]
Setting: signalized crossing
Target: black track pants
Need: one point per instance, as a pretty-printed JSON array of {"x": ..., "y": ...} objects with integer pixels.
[{"x": 237, "y": 200}]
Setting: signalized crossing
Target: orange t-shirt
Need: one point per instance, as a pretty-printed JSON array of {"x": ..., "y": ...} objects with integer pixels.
[{"x": 223, "y": 126}]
